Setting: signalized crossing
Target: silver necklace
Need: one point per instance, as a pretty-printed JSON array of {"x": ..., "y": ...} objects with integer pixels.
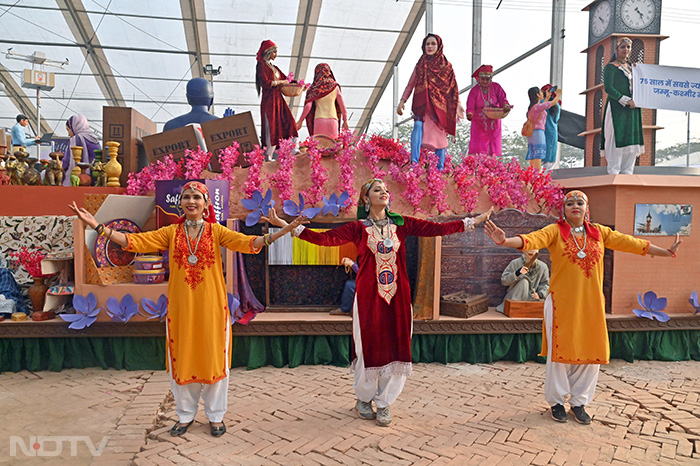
[
  {"x": 581, "y": 254},
  {"x": 578, "y": 229},
  {"x": 193, "y": 223},
  {"x": 192, "y": 258},
  {"x": 386, "y": 240}
]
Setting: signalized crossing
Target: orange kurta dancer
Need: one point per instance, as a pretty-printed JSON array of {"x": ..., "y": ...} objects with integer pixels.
[
  {"x": 198, "y": 313},
  {"x": 579, "y": 331}
]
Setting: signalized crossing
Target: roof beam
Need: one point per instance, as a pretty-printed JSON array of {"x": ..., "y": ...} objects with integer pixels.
[
  {"x": 409, "y": 27},
  {"x": 304, "y": 35},
  {"x": 194, "y": 21},
  {"x": 20, "y": 99},
  {"x": 81, "y": 27}
]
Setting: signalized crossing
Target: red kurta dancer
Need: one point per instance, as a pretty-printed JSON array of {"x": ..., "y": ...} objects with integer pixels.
[{"x": 383, "y": 291}]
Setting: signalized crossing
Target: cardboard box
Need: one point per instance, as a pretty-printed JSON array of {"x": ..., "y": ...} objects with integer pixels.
[
  {"x": 221, "y": 133},
  {"x": 530, "y": 309},
  {"x": 175, "y": 142},
  {"x": 127, "y": 127},
  {"x": 168, "y": 200}
]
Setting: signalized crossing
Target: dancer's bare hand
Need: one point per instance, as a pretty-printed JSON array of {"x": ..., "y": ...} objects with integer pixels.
[
  {"x": 497, "y": 235},
  {"x": 483, "y": 217},
  {"x": 83, "y": 215}
]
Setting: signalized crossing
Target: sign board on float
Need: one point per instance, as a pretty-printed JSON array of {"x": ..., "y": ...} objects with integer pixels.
[
  {"x": 221, "y": 133},
  {"x": 175, "y": 141}
]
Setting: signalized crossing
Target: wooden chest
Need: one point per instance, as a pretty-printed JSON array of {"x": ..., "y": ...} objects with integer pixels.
[
  {"x": 531, "y": 309},
  {"x": 463, "y": 304}
]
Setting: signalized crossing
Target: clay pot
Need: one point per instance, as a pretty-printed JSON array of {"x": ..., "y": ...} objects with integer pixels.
[
  {"x": 37, "y": 293},
  {"x": 84, "y": 177}
]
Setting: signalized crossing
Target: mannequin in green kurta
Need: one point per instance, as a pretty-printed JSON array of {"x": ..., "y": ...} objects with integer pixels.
[{"x": 575, "y": 336}]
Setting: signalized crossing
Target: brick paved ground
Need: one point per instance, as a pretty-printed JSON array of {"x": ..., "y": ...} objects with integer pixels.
[{"x": 461, "y": 414}]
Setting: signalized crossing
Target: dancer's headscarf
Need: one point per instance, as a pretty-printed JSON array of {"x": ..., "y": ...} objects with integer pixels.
[
  {"x": 565, "y": 228},
  {"x": 209, "y": 214},
  {"x": 436, "y": 92}
]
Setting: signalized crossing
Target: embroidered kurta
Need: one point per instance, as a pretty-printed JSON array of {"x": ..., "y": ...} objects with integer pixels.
[
  {"x": 579, "y": 331},
  {"x": 485, "y": 136},
  {"x": 198, "y": 314},
  {"x": 383, "y": 292},
  {"x": 274, "y": 111},
  {"x": 627, "y": 122}
]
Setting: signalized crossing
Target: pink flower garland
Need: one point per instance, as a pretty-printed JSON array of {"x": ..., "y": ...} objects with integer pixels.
[
  {"x": 228, "y": 158},
  {"x": 254, "y": 182},
  {"x": 143, "y": 182},
  {"x": 344, "y": 156},
  {"x": 410, "y": 179},
  {"x": 319, "y": 175},
  {"x": 371, "y": 152},
  {"x": 282, "y": 178},
  {"x": 195, "y": 162},
  {"x": 436, "y": 182}
]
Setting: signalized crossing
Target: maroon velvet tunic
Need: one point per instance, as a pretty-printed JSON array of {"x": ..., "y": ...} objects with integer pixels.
[
  {"x": 273, "y": 106},
  {"x": 383, "y": 291}
]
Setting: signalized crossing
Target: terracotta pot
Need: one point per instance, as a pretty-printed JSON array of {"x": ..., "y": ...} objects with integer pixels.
[{"x": 37, "y": 293}]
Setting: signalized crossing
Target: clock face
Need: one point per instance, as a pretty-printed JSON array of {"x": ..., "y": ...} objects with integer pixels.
[
  {"x": 637, "y": 14},
  {"x": 600, "y": 18}
]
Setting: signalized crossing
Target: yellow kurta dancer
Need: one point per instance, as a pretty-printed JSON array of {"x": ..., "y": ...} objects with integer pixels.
[
  {"x": 579, "y": 331},
  {"x": 198, "y": 315}
]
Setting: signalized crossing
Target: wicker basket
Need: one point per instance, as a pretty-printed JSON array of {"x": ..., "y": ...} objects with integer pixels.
[
  {"x": 495, "y": 113},
  {"x": 463, "y": 304},
  {"x": 292, "y": 90}
]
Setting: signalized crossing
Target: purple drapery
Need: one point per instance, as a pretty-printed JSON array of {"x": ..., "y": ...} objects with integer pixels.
[{"x": 249, "y": 304}]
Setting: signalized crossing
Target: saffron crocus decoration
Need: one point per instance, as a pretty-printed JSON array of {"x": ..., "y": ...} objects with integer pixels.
[
  {"x": 653, "y": 307},
  {"x": 333, "y": 203},
  {"x": 86, "y": 311},
  {"x": 155, "y": 310},
  {"x": 234, "y": 306},
  {"x": 259, "y": 205},
  {"x": 694, "y": 301},
  {"x": 293, "y": 209},
  {"x": 124, "y": 310}
]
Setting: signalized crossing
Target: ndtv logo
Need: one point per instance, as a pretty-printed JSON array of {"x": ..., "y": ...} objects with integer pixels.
[{"x": 52, "y": 445}]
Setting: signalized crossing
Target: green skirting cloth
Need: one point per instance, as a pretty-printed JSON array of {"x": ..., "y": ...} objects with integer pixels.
[{"x": 139, "y": 353}]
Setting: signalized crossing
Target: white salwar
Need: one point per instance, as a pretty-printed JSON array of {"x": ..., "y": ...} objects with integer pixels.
[
  {"x": 383, "y": 390},
  {"x": 620, "y": 159},
  {"x": 215, "y": 395},
  {"x": 560, "y": 380}
]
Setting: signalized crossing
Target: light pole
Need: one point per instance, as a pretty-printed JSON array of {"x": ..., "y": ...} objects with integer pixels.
[{"x": 210, "y": 71}]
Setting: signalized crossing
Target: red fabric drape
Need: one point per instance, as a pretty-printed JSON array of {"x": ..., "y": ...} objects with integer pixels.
[{"x": 273, "y": 107}]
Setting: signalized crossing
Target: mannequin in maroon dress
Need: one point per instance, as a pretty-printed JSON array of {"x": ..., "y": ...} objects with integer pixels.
[
  {"x": 277, "y": 121},
  {"x": 382, "y": 313}
]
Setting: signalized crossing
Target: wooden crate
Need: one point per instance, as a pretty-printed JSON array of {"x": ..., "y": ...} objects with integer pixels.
[
  {"x": 531, "y": 309},
  {"x": 463, "y": 304}
]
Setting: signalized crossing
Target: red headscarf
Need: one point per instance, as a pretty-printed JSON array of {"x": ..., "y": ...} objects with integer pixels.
[
  {"x": 209, "y": 214},
  {"x": 547, "y": 87},
  {"x": 436, "y": 91},
  {"x": 264, "y": 47},
  {"x": 324, "y": 83},
  {"x": 565, "y": 228},
  {"x": 482, "y": 69}
]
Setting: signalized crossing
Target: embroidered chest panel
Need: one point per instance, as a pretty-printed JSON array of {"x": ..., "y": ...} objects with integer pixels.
[
  {"x": 385, "y": 257},
  {"x": 592, "y": 249},
  {"x": 205, "y": 254}
]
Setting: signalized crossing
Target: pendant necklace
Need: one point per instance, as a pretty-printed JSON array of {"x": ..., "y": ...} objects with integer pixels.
[
  {"x": 192, "y": 258},
  {"x": 194, "y": 223},
  {"x": 581, "y": 254},
  {"x": 387, "y": 241},
  {"x": 578, "y": 229}
]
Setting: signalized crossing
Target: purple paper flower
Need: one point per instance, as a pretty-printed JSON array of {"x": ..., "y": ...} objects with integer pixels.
[
  {"x": 652, "y": 307},
  {"x": 234, "y": 306},
  {"x": 260, "y": 206},
  {"x": 694, "y": 301},
  {"x": 155, "y": 310},
  {"x": 86, "y": 311},
  {"x": 124, "y": 310},
  {"x": 293, "y": 209},
  {"x": 334, "y": 203}
]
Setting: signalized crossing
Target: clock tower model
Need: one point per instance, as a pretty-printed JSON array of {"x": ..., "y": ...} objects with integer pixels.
[{"x": 640, "y": 20}]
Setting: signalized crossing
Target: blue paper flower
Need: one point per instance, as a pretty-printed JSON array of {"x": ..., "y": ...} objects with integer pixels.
[
  {"x": 86, "y": 311},
  {"x": 292, "y": 209},
  {"x": 694, "y": 301},
  {"x": 652, "y": 307},
  {"x": 233, "y": 306},
  {"x": 122, "y": 312},
  {"x": 155, "y": 310},
  {"x": 260, "y": 206},
  {"x": 334, "y": 203}
]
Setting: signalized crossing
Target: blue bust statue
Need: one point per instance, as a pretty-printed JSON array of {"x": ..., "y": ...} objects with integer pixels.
[{"x": 200, "y": 96}]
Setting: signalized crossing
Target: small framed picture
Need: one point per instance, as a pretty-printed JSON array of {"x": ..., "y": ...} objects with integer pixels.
[{"x": 662, "y": 219}]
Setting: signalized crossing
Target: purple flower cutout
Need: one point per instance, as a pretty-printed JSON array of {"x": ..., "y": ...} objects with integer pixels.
[
  {"x": 234, "y": 306},
  {"x": 652, "y": 307},
  {"x": 293, "y": 209},
  {"x": 259, "y": 205},
  {"x": 155, "y": 310},
  {"x": 86, "y": 311},
  {"x": 124, "y": 310},
  {"x": 694, "y": 301},
  {"x": 335, "y": 202}
]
